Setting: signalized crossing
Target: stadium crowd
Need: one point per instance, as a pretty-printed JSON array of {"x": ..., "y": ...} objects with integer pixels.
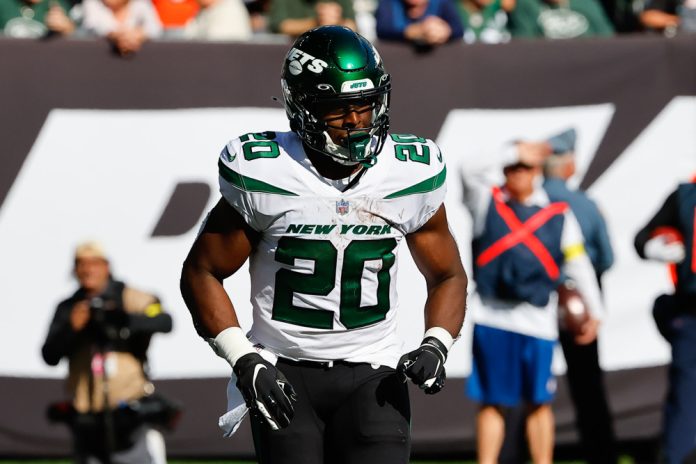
[{"x": 127, "y": 24}]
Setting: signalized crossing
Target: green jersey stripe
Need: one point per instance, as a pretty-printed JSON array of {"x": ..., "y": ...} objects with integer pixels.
[
  {"x": 249, "y": 184},
  {"x": 428, "y": 185}
]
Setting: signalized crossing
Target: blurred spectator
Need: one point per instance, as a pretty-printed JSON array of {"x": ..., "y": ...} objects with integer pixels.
[
  {"x": 293, "y": 17},
  {"x": 524, "y": 248},
  {"x": 30, "y": 19},
  {"x": 104, "y": 330},
  {"x": 422, "y": 22},
  {"x": 258, "y": 15},
  {"x": 669, "y": 237},
  {"x": 559, "y": 19},
  {"x": 485, "y": 20},
  {"x": 584, "y": 374},
  {"x": 623, "y": 14},
  {"x": 126, "y": 23},
  {"x": 174, "y": 14},
  {"x": 670, "y": 16},
  {"x": 365, "y": 18},
  {"x": 220, "y": 20}
]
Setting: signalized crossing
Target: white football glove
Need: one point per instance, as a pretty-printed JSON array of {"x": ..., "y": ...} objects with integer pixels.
[{"x": 661, "y": 248}]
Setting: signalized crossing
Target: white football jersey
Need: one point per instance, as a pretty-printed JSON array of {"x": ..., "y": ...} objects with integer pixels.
[{"x": 323, "y": 276}]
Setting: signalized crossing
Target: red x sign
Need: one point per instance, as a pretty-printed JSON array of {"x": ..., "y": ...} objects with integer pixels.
[{"x": 523, "y": 233}]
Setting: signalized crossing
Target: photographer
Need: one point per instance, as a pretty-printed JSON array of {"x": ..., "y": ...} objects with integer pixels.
[{"x": 104, "y": 330}]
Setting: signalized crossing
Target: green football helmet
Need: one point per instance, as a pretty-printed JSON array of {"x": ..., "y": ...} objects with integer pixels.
[{"x": 332, "y": 67}]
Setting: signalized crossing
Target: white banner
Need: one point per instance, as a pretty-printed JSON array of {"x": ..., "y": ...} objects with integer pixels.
[{"x": 108, "y": 175}]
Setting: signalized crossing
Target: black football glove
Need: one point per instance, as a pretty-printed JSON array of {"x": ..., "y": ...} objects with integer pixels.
[
  {"x": 425, "y": 365},
  {"x": 265, "y": 389}
]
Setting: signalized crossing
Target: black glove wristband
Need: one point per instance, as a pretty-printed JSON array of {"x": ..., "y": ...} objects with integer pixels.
[{"x": 434, "y": 342}]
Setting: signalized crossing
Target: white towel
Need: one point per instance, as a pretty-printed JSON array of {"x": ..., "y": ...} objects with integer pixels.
[{"x": 237, "y": 409}]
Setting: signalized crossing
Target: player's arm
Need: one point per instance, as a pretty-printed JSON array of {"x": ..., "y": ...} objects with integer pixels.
[
  {"x": 660, "y": 247},
  {"x": 437, "y": 257},
  {"x": 221, "y": 248}
]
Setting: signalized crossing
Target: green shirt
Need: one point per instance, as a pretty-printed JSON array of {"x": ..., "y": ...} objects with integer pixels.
[
  {"x": 299, "y": 9},
  {"x": 567, "y": 20},
  {"x": 489, "y": 25},
  {"x": 23, "y": 19}
]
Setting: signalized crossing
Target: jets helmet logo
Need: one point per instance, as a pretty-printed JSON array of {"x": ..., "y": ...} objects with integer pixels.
[
  {"x": 357, "y": 86},
  {"x": 299, "y": 60}
]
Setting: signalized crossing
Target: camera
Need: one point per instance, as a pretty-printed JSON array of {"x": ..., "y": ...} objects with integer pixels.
[{"x": 108, "y": 320}]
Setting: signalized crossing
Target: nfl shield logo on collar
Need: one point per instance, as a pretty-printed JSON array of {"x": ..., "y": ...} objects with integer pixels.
[{"x": 342, "y": 207}]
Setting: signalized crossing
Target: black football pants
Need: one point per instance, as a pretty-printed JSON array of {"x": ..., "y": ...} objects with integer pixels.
[
  {"x": 586, "y": 385},
  {"x": 344, "y": 414}
]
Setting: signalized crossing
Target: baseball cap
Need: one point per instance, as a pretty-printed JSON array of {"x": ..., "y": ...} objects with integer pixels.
[
  {"x": 515, "y": 166},
  {"x": 563, "y": 142},
  {"x": 90, "y": 249}
]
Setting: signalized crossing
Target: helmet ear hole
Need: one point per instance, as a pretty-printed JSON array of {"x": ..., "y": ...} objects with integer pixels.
[{"x": 295, "y": 126}]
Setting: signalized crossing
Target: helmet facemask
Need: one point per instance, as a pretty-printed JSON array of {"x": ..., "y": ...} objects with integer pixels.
[{"x": 312, "y": 116}]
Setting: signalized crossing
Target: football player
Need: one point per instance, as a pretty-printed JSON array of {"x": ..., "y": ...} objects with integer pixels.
[
  {"x": 320, "y": 211},
  {"x": 670, "y": 237}
]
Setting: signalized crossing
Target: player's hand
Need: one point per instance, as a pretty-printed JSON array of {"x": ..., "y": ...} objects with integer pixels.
[
  {"x": 665, "y": 248},
  {"x": 425, "y": 365},
  {"x": 588, "y": 332},
  {"x": 265, "y": 389}
]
